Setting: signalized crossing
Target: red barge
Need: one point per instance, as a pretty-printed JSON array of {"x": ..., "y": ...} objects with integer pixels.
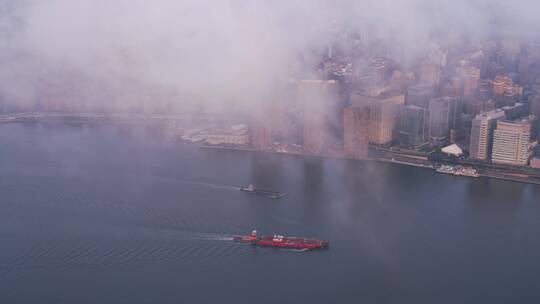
[{"x": 279, "y": 241}]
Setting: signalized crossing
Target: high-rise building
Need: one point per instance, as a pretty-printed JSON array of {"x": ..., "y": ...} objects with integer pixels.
[
  {"x": 430, "y": 73},
  {"x": 515, "y": 111},
  {"x": 485, "y": 88},
  {"x": 472, "y": 76},
  {"x": 512, "y": 142},
  {"x": 260, "y": 136},
  {"x": 534, "y": 105},
  {"x": 380, "y": 68},
  {"x": 383, "y": 112},
  {"x": 356, "y": 132},
  {"x": 500, "y": 84},
  {"x": 420, "y": 95},
  {"x": 529, "y": 63},
  {"x": 318, "y": 99},
  {"x": 483, "y": 126},
  {"x": 536, "y": 86},
  {"x": 413, "y": 122},
  {"x": 453, "y": 87},
  {"x": 442, "y": 117}
]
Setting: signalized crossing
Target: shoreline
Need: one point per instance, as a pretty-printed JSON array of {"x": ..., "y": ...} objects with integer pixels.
[
  {"x": 127, "y": 119},
  {"x": 500, "y": 176},
  {"x": 94, "y": 118}
]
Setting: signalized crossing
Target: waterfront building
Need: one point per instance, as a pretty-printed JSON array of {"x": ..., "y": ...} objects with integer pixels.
[
  {"x": 267, "y": 124},
  {"x": 442, "y": 116},
  {"x": 260, "y": 136},
  {"x": 318, "y": 100},
  {"x": 420, "y": 95},
  {"x": 413, "y": 122},
  {"x": 356, "y": 132},
  {"x": 483, "y": 126},
  {"x": 512, "y": 142},
  {"x": 236, "y": 139},
  {"x": 535, "y": 162},
  {"x": 453, "y": 150},
  {"x": 383, "y": 115}
]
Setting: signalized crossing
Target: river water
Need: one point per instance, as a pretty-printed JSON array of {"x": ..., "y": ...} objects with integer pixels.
[{"x": 119, "y": 214}]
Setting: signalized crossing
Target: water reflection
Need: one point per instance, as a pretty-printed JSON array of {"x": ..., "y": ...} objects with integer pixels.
[
  {"x": 266, "y": 171},
  {"x": 313, "y": 177}
]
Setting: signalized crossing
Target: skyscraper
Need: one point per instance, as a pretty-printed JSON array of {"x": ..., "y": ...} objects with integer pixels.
[
  {"x": 383, "y": 112},
  {"x": 529, "y": 63},
  {"x": 380, "y": 68},
  {"x": 356, "y": 132},
  {"x": 500, "y": 83},
  {"x": 483, "y": 126},
  {"x": 413, "y": 122},
  {"x": 515, "y": 111},
  {"x": 420, "y": 95},
  {"x": 430, "y": 73},
  {"x": 260, "y": 135},
  {"x": 536, "y": 86},
  {"x": 472, "y": 77},
  {"x": 318, "y": 99},
  {"x": 534, "y": 105},
  {"x": 442, "y": 116},
  {"x": 485, "y": 88},
  {"x": 511, "y": 142}
]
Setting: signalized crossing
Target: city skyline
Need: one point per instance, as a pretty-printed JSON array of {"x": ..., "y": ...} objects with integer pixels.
[
  {"x": 250, "y": 151},
  {"x": 173, "y": 56}
]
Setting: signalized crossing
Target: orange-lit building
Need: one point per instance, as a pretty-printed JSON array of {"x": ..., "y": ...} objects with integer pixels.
[
  {"x": 356, "y": 132},
  {"x": 383, "y": 115}
]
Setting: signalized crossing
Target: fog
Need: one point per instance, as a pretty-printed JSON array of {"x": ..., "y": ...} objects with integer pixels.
[{"x": 122, "y": 54}]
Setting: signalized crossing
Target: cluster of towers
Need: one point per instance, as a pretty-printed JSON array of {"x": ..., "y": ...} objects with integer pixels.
[{"x": 485, "y": 99}]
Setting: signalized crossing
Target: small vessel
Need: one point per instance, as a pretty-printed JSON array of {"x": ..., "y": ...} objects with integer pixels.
[
  {"x": 267, "y": 193},
  {"x": 446, "y": 169},
  {"x": 459, "y": 171},
  {"x": 279, "y": 241}
]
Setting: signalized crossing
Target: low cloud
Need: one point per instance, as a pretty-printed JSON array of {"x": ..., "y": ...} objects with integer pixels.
[{"x": 231, "y": 53}]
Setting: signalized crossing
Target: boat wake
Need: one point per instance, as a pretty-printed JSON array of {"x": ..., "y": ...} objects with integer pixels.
[
  {"x": 205, "y": 237},
  {"x": 211, "y": 185},
  {"x": 217, "y": 238}
]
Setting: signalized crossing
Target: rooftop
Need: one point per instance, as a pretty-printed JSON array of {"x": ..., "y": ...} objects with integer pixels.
[
  {"x": 497, "y": 113},
  {"x": 453, "y": 150}
]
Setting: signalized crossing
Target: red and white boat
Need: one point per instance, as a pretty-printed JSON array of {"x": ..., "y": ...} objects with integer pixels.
[{"x": 280, "y": 241}]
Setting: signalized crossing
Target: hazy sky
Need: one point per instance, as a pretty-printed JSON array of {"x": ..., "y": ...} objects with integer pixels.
[{"x": 209, "y": 52}]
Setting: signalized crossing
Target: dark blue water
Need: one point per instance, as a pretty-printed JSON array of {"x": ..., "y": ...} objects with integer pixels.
[{"x": 106, "y": 214}]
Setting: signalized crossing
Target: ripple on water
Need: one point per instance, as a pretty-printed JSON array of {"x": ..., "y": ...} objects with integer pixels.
[{"x": 69, "y": 253}]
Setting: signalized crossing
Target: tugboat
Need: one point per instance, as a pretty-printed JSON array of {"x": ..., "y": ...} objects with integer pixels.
[
  {"x": 267, "y": 193},
  {"x": 279, "y": 241}
]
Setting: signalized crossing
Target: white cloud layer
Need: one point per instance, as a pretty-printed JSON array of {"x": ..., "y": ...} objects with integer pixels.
[{"x": 210, "y": 52}]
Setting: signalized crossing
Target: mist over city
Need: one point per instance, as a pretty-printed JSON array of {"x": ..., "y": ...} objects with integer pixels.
[
  {"x": 115, "y": 55},
  {"x": 249, "y": 151}
]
